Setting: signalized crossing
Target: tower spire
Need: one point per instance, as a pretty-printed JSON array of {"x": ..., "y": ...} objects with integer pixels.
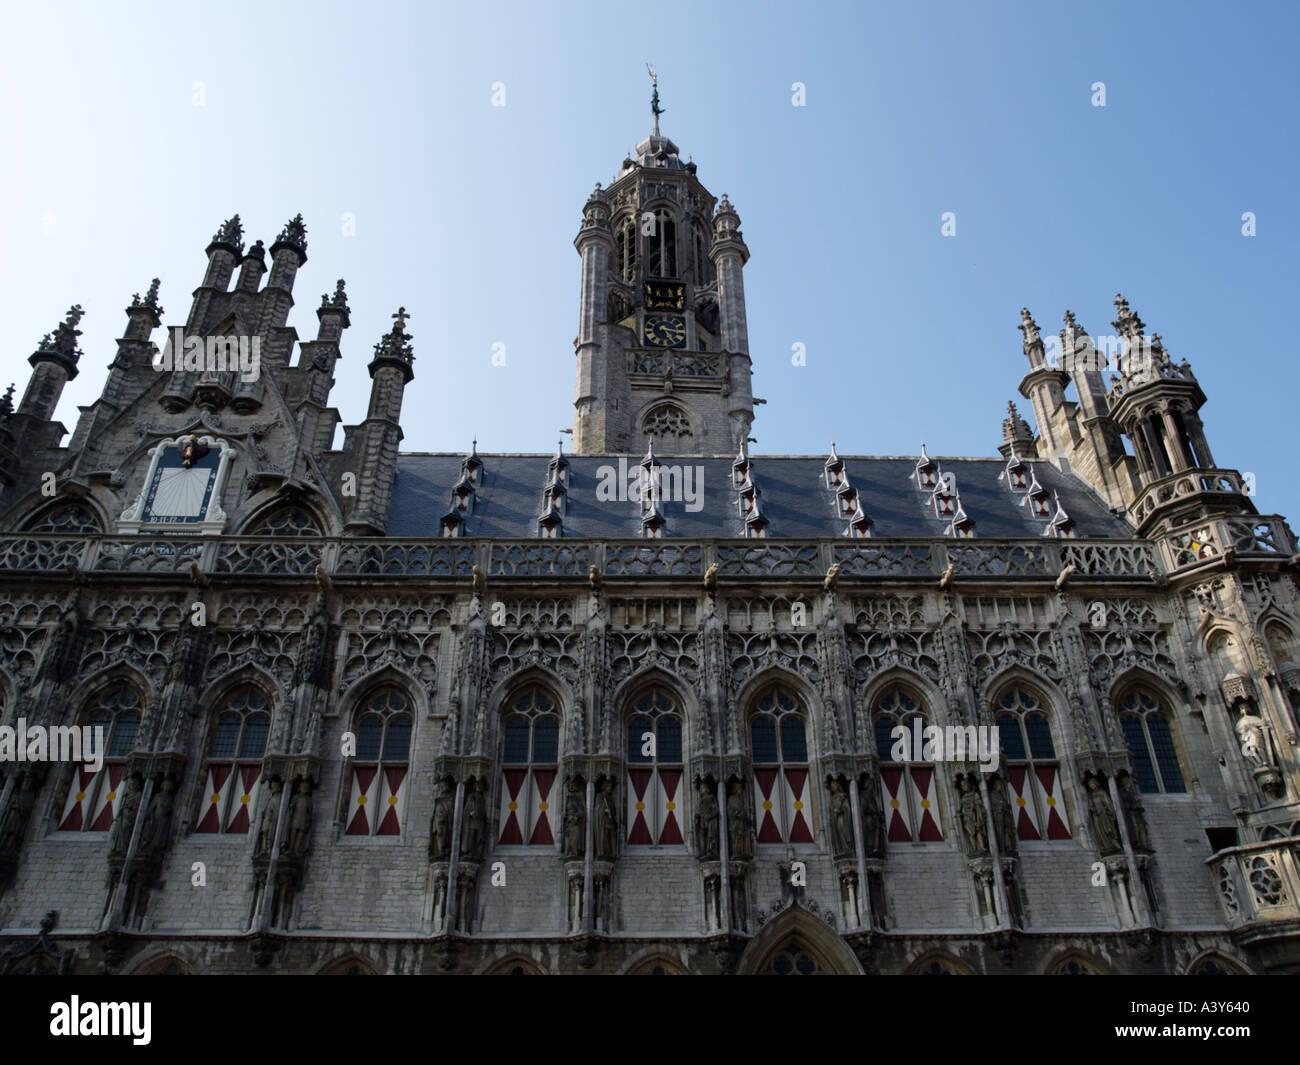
[{"x": 655, "y": 109}]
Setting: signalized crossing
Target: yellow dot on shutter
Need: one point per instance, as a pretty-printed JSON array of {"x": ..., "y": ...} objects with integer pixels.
[
  {"x": 361, "y": 800},
  {"x": 767, "y": 804},
  {"x": 798, "y": 805},
  {"x": 893, "y": 803},
  {"x": 543, "y": 806},
  {"x": 216, "y": 796},
  {"x": 80, "y": 795},
  {"x": 1020, "y": 800},
  {"x": 245, "y": 799},
  {"x": 925, "y": 804},
  {"x": 110, "y": 797},
  {"x": 392, "y": 800},
  {"x": 671, "y": 806},
  {"x": 513, "y": 806},
  {"x": 640, "y": 806},
  {"x": 1051, "y": 800}
]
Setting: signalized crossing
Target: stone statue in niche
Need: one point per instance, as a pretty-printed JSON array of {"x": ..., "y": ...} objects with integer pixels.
[
  {"x": 605, "y": 820},
  {"x": 1004, "y": 823},
  {"x": 1253, "y": 734},
  {"x": 841, "y": 818},
  {"x": 1101, "y": 817},
  {"x": 298, "y": 836},
  {"x": 119, "y": 835},
  {"x": 974, "y": 826},
  {"x": 153, "y": 833},
  {"x": 739, "y": 833},
  {"x": 873, "y": 834},
  {"x": 441, "y": 823},
  {"x": 706, "y": 820},
  {"x": 473, "y": 833},
  {"x": 268, "y": 819},
  {"x": 1137, "y": 822},
  {"x": 574, "y": 834}
]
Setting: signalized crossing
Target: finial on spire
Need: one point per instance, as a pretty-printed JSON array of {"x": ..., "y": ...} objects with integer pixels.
[
  {"x": 7, "y": 402},
  {"x": 655, "y": 109}
]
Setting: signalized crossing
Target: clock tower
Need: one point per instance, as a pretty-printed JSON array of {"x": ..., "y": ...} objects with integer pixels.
[{"x": 662, "y": 346}]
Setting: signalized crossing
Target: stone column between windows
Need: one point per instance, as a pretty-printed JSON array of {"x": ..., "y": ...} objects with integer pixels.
[
  {"x": 865, "y": 916},
  {"x": 113, "y": 919},
  {"x": 1180, "y": 445},
  {"x": 268, "y": 890},
  {"x": 724, "y": 862},
  {"x": 589, "y": 844},
  {"x": 1137, "y": 899},
  {"x": 453, "y": 863},
  {"x": 995, "y": 850}
]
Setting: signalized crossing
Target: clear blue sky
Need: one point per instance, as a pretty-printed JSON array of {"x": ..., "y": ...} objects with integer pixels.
[{"x": 466, "y": 213}]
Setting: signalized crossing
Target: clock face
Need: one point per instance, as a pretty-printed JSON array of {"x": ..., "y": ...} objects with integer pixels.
[
  {"x": 178, "y": 493},
  {"x": 665, "y": 330}
]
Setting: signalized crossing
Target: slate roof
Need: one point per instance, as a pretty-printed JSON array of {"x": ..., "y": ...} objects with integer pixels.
[{"x": 794, "y": 498}]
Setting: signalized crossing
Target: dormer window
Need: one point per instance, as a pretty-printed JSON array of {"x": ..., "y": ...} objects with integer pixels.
[
  {"x": 1036, "y": 498},
  {"x": 453, "y": 524},
  {"x": 848, "y": 498},
  {"x": 859, "y": 523},
  {"x": 463, "y": 495},
  {"x": 834, "y": 470},
  {"x": 1015, "y": 475},
  {"x": 471, "y": 467},
  {"x": 550, "y": 522},
  {"x": 1062, "y": 525},
  {"x": 748, "y": 500},
  {"x": 944, "y": 497},
  {"x": 926, "y": 472},
  {"x": 961, "y": 526},
  {"x": 741, "y": 469},
  {"x": 756, "y": 525}
]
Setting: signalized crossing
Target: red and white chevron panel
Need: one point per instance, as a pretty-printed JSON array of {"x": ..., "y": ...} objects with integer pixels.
[
  {"x": 247, "y": 783},
  {"x": 766, "y": 797},
  {"x": 543, "y": 781},
  {"x": 361, "y": 800},
  {"x": 667, "y": 806},
  {"x": 392, "y": 800},
  {"x": 798, "y": 823},
  {"x": 642, "y": 797},
  {"x": 1049, "y": 779},
  {"x": 896, "y": 813},
  {"x": 514, "y": 806},
  {"x": 79, "y": 792},
  {"x": 923, "y": 799},
  {"x": 109, "y": 798},
  {"x": 1023, "y": 800},
  {"x": 220, "y": 781}
]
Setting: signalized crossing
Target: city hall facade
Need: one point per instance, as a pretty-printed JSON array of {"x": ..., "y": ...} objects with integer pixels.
[{"x": 368, "y": 711}]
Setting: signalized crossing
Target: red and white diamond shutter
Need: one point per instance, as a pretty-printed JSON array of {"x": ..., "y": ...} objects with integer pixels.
[
  {"x": 248, "y": 781},
  {"x": 361, "y": 801},
  {"x": 765, "y": 809},
  {"x": 220, "y": 782},
  {"x": 1049, "y": 779},
  {"x": 79, "y": 795},
  {"x": 897, "y": 815},
  {"x": 642, "y": 797},
  {"x": 667, "y": 805},
  {"x": 796, "y": 805},
  {"x": 514, "y": 806},
  {"x": 923, "y": 801},
  {"x": 1026, "y": 811},
  {"x": 543, "y": 784}
]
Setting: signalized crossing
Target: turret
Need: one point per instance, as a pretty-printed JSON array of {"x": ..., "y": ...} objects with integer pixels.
[
  {"x": 54, "y": 364},
  {"x": 595, "y": 244},
  {"x": 729, "y": 254},
  {"x": 374, "y": 459},
  {"x": 317, "y": 360},
  {"x": 1044, "y": 387}
]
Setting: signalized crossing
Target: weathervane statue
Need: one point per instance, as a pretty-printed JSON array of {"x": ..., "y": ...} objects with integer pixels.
[{"x": 655, "y": 109}]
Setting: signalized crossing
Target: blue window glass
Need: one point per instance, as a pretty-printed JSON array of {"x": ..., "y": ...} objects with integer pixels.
[
  {"x": 1166, "y": 757},
  {"x": 794, "y": 739},
  {"x": 762, "y": 733},
  {"x": 1137, "y": 745},
  {"x": 1040, "y": 736},
  {"x": 546, "y": 740},
  {"x": 370, "y": 736},
  {"x": 256, "y": 729},
  {"x": 397, "y": 741},
  {"x": 1012, "y": 743},
  {"x": 670, "y": 739},
  {"x": 516, "y": 752}
]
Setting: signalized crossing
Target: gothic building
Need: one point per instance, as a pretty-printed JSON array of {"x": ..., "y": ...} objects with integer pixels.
[{"x": 631, "y": 709}]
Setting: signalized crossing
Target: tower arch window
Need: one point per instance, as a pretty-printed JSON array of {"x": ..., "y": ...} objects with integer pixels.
[
  {"x": 378, "y": 788},
  {"x": 75, "y": 518},
  {"x": 667, "y": 421},
  {"x": 1033, "y": 770},
  {"x": 661, "y": 245},
  {"x": 654, "y": 771},
  {"x": 529, "y": 759},
  {"x": 703, "y": 267},
  {"x": 286, "y": 521},
  {"x": 1149, "y": 740},
  {"x": 625, "y": 247},
  {"x": 94, "y": 797},
  {"x": 778, "y": 736},
  {"x": 908, "y": 793},
  {"x": 234, "y": 767}
]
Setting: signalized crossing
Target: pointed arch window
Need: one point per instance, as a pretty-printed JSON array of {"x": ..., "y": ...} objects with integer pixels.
[
  {"x": 778, "y": 736},
  {"x": 94, "y": 797},
  {"x": 234, "y": 769},
  {"x": 908, "y": 792},
  {"x": 625, "y": 240},
  {"x": 661, "y": 245},
  {"x": 1033, "y": 770},
  {"x": 529, "y": 760},
  {"x": 1150, "y": 742},
  {"x": 75, "y": 518},
  {"x": 654, "y": 771},
  {"x": 378, "y": 785},
  {"x": 286, "y": 521}
]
